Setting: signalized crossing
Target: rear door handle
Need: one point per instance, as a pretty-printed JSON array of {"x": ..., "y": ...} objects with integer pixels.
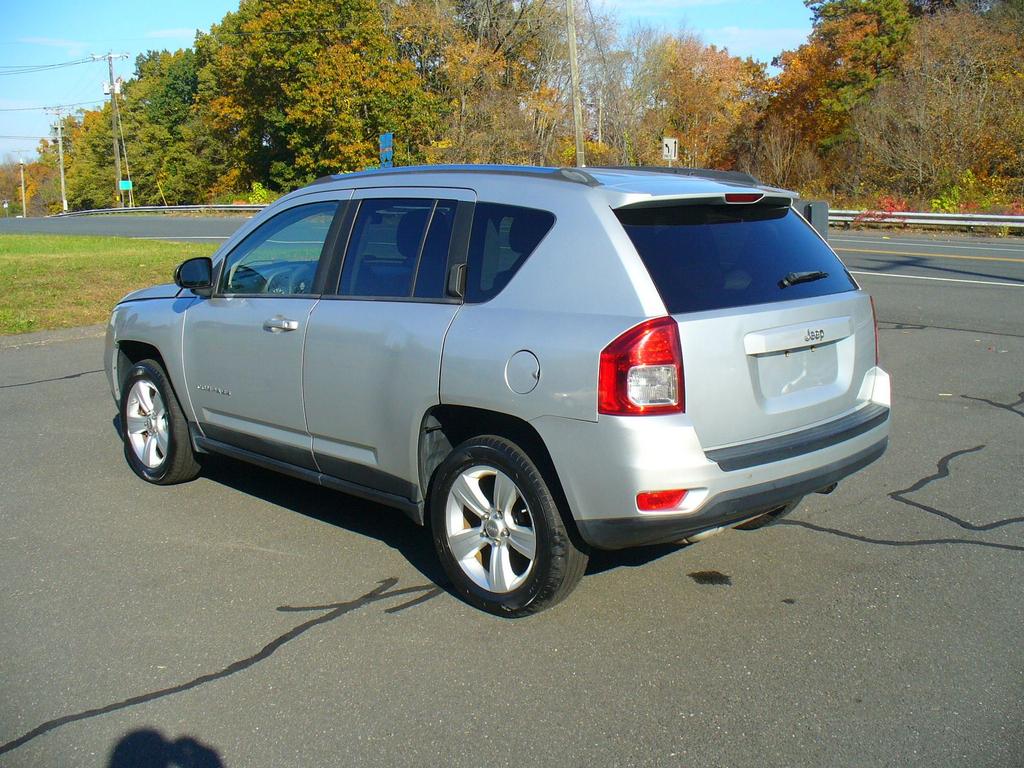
[{"x": 280, "y": 324}]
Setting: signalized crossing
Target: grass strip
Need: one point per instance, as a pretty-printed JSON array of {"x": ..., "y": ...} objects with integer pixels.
[{"x": 63, "y": 281}]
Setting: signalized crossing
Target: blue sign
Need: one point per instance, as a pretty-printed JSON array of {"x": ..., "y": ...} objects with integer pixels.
[
  {"x": 126, "y": 185},
  {"x": 387, "y": 150}
]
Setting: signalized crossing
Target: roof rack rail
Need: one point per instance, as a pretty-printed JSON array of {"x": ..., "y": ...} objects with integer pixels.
[
  {"x": 574, "y": 175},
  {"x": 706, "y": 173}
]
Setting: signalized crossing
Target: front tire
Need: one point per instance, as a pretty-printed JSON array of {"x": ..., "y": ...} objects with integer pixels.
[
  {"x": 498, "y": 531},
  {"x": 154, "y": 429}
]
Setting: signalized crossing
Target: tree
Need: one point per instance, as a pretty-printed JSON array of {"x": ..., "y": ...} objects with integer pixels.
[
  {"x": 854, "y": 44},
  {"x": 88, "y": 160},
  {"x": 956, "y": 105},
  {"x": 173, "y": 158},
  {"x": 302, "y": 89}
]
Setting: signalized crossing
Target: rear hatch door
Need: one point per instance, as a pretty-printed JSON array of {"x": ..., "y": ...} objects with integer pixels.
[{"x": 776, "y": 336}]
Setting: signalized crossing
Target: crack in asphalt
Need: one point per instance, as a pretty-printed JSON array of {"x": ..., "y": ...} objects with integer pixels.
[
  {"x": 897, "y": 542},
  {"x": 942, "y": 471},
  {"x": 382, "y": 591},
  {"x": 1011, "y": 407},
  {"x": 56, "y": 378},
  {"x": 900, "y": 326}
]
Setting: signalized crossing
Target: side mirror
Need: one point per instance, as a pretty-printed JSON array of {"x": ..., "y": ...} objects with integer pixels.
[{"x": 196, "y": 275}]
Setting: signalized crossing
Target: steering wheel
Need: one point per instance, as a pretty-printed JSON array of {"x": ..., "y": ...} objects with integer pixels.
[{"x": 280, "y": 283}]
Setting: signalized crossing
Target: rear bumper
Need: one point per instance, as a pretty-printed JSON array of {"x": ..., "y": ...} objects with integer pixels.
[
  {"x": 727, "y": 508},
  {"x": 603, "y": 465}
]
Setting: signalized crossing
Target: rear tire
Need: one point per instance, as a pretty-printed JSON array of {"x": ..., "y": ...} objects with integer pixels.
[
  {"x": 154, "y": 430},
  {"x": 499, "y": 533}
]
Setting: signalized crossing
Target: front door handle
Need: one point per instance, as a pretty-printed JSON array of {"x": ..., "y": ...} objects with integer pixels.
[{"x": 280, "y": 324}]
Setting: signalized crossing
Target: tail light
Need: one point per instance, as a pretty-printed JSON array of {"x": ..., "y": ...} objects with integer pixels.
[
  {"x": 743, "y": 197},
  {"x": 874, "y": 319},
  {"x": 659, "y": 501},
  {"x": 641, "y": 372}
]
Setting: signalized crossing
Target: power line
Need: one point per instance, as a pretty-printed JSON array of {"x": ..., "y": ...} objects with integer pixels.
[
  {"x": 55, "y": 106},
  {"x": 24, "y": 69}
]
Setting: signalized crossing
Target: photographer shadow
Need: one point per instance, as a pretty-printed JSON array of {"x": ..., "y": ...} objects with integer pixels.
[{"x": 147, "y": 748}]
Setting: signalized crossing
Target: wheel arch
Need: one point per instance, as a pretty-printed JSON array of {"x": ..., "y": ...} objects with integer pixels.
[
  {"x": 444, "y": 427},
  {"x": 130, "y": 352}
]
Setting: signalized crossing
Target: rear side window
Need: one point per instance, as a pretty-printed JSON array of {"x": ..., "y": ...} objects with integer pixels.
[
  {"x": 502, "y": 237},
  {"x": 431, "y": 273},
  {"x": 384, "y": 248},
  {"x": 703, "y": 257}
]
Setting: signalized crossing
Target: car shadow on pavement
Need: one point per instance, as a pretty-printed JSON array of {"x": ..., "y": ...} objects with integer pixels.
[
  {"x": 363, "y": 517},
  {"x": 607, "y": 560},
  {"x": 376, "y": 520}
]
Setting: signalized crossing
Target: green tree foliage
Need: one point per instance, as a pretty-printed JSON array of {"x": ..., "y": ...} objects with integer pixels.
[
  {"x": 88, "y": 159},
  {"x": 917, "y": 97},
  {"x": 171, "y": 154},
  {"x": 296, "y": 90}
]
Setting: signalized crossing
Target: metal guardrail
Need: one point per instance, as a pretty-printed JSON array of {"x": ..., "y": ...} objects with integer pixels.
[
  {"x": 232, "y": 207},
  {"x": 919, "y": 218}
]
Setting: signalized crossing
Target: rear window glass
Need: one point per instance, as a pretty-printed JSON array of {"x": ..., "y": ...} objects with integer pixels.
[
  {"x": 703, "y": 257},
  {"x": 502, "y": 237}
]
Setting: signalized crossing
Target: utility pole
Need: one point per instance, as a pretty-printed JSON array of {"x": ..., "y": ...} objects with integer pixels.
[
  {"x": 24, "y": 210},
  {"x": 60, "y": 156},
  {"x": 574, "y": 71},
  {"x": 113, "y": 120}
]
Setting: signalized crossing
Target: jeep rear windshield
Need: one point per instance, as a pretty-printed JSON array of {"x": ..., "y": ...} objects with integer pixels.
[{"x": 715, "y": 256}]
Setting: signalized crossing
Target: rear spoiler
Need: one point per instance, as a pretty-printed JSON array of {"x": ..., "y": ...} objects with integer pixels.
[{"x": 814, "y": 211}]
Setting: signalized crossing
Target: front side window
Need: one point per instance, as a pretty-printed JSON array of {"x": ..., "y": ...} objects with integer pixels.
[
  {"x": 280, "y": 258},
  {"x": 398, "y": 249},
  {"x": 502, "y": 237}
]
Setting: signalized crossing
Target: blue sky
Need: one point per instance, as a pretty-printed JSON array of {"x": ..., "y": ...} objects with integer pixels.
[{"x": 60, "y": 30}]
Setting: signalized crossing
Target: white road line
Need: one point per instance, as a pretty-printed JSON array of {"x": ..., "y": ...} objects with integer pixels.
[
  {"x": 926, "y": 243},
  {"x": 940, "y": 279},
  {"x": 181, "y": 237}
]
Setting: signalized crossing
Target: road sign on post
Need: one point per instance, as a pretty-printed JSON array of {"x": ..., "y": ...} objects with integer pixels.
[
  {"x": 669, "y": 149},
  {"x": 387, "y": 150},
  {"x": 126, "y": 184}
]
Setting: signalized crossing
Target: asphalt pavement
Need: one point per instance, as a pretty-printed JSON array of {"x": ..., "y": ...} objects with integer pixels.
[
  {"x": 210, "y": 227},
  {"x": 246, "y": 619}
]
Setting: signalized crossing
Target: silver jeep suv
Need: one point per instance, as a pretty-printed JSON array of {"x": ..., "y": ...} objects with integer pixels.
[{"x": 531, "y": 361}]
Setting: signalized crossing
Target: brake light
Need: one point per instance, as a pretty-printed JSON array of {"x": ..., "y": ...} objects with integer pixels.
[
  {"x": 874, "y": 319},
  {"x": 658, "y": 501},
  {"x": 641, "y": 372},
  {"x": 743, "y": 197}
]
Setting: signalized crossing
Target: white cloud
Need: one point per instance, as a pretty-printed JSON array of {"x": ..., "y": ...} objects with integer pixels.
[
  {"x": 179, "y": 32},
  {"x": 73, "y": 48}
]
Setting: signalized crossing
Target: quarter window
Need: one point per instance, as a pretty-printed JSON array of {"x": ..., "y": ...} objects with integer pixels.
[
  {"x": 281, "y": 257},
  {"x": 503, "y": 236}
]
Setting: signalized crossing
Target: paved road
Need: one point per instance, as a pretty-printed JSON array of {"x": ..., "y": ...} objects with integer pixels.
[
  {"x": 274, "y": 623},
  {"x": 159, "y": 226}
]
